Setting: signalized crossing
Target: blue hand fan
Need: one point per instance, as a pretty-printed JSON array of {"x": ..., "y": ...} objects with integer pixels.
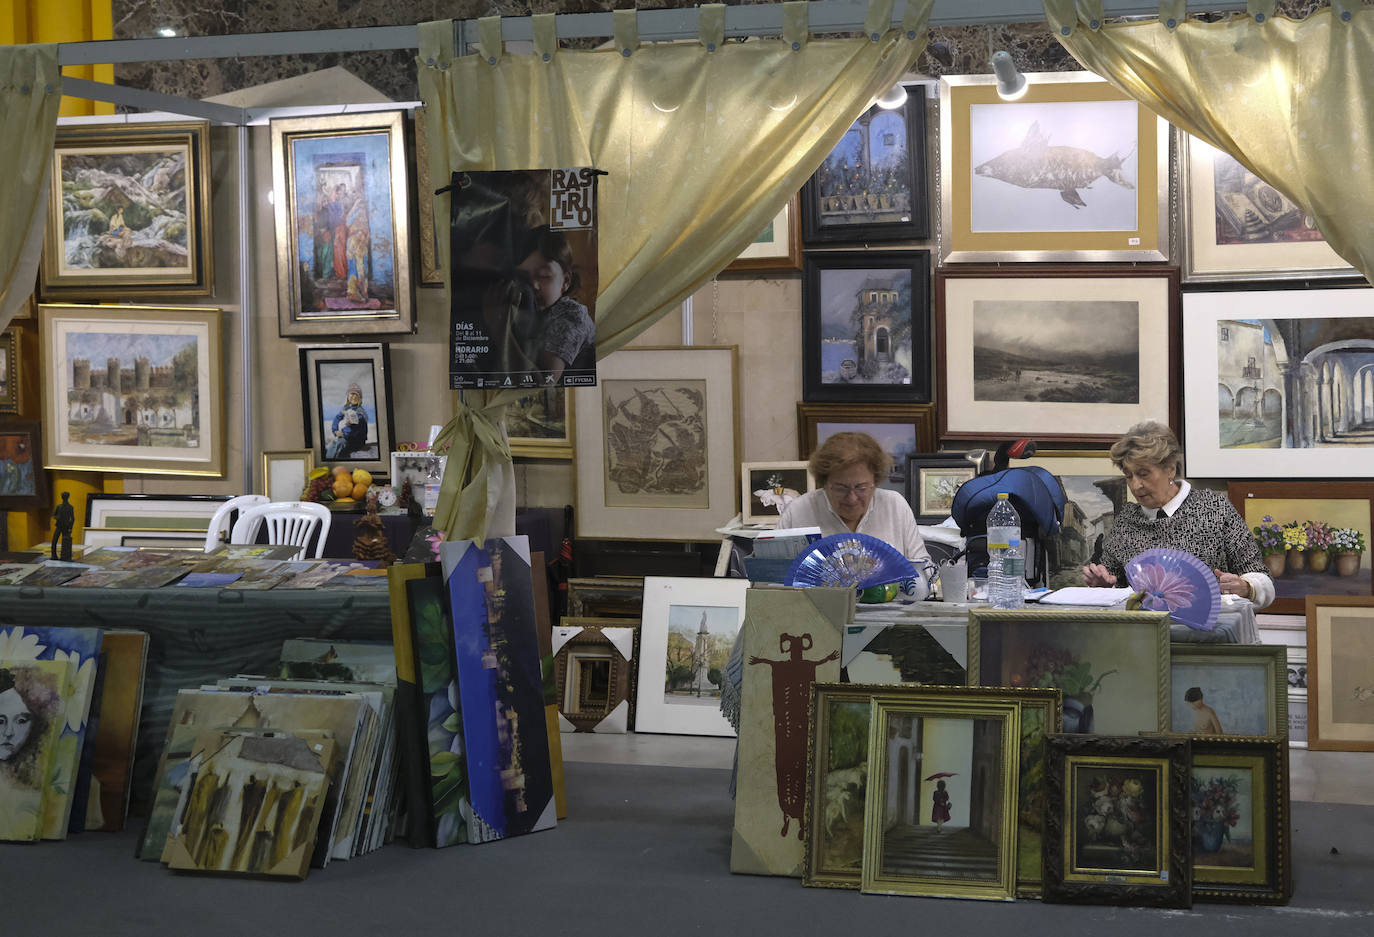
[
  {"x": 856, "y": 560},
  {"x": 1176, "y": 582}
]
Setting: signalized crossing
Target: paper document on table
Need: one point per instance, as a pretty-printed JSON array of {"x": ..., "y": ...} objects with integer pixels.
[{"x": 1082, "y": 595}]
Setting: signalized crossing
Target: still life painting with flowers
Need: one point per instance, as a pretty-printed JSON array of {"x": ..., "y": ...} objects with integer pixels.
[
  {"x": 1223, "y": 830},
  {"x": 1116, "y": 824}
]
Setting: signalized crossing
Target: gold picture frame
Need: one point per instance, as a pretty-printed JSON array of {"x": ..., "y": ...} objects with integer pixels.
[
  {"x": 11, "y": 373},
  {"x": 172, "y": 423},
  {"x": 541, "y": 426},
  {"x": 695, "y": 416},
  {"x": 129, "y": 212},
  {"x": 285, "y": 473},
  {"x": 350, "y": 273},
  {"x": 431, "y": 267},
  {"x": 990, "y": 208}
]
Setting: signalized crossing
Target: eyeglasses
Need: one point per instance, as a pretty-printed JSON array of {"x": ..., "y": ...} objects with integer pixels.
[{"x": 844, "y": 491}]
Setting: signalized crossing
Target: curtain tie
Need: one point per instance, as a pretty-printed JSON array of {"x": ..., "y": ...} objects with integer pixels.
[{"x": 626, "y": 27}]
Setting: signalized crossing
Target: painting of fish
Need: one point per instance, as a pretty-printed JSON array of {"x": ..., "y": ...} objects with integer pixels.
[
  {"x": 1037, "y": 165},
  {"x": 1055, "y": 166}
]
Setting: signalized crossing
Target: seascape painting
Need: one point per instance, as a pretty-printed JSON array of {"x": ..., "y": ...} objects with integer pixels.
[
  {"x": 341, "y": 188},
  {"x": 1054, "y": 166},
  {"x": 866, "y": 326},
  {"x": 699, "y": 643},
  {"x": 656, "y": 445},
  {"x": 1079, "y": 351}
]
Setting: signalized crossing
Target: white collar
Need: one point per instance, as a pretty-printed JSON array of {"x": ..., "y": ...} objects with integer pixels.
[{"x": 1173, "y": 503}]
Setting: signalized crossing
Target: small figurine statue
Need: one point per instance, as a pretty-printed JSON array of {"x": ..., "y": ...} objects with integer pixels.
[
  {"x": 64, "y": 518},
  {"x": 372, "y": 543}
]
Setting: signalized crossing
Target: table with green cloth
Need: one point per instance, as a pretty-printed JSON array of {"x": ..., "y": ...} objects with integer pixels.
[{"x": 197, "y": 636}]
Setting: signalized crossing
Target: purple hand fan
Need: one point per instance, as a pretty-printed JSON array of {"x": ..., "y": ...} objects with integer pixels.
[
  {"x": 1176, "y": 582},
  {"x": 856, "y": 560}
]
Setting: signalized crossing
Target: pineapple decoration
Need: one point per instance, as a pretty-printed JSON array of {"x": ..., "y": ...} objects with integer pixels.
[{"x": 372, "y": 543}]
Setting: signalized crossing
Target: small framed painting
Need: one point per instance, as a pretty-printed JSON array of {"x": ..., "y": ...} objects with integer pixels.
[
  {"x": 343, "y": 225},
  {"x": 1228, "y": 689},
  {"x": 766, "y": 488},
  {"x": 346, "y": 390},
  {"x": 866, "y": 327},
  {"x": 687, "y": 629},
  {"x": 133, "y": 389},
  {"x": 1073, "y": 171},
  {"x": 778, "y": 248},
  {"x": 128, "y": 212},
  {"x": 932, "y": 480},
  {"x": 1117, "y": 821},
  {"x": 23, "y": 483},
  {"x": 10, "y": 379},
  {"x": 285, "y": 473},
  {"x": 872, "y": 186},
  {"x": 540, "y": 426},
  {"x": 1238, "y": 227},
  {"x": 899, "y": 428},
  {"x": 1242, "y": 833},
  {"x": 1072, "y": 354},
  {"x": 1340, "y": 673}
]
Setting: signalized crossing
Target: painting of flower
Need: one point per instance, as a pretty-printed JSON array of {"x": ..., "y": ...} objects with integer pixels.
[
  {"x": 1115, "y": 813},
  {"x": 1222, "y": 811},
  {"x": 1166, "y": 586}
]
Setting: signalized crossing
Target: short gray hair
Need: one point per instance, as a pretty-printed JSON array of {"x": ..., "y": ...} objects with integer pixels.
[{"x": 1148, "y": 443}]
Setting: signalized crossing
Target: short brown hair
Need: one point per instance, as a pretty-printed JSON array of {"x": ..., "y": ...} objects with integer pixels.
[
  {"x": 1148, "y": 443},
  {"x": 842, "y": 450}
]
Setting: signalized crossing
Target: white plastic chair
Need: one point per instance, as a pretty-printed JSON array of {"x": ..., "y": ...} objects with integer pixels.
[
  {"x": 289, "y": 523},
  {"x": 219, "y": 523}
]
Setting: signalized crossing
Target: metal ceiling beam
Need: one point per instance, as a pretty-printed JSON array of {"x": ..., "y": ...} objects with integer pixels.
[
  {"x": 153, "y": 100},
  {"x": 826, "y": 16}
]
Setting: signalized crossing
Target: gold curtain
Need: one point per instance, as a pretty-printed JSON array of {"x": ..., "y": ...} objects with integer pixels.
[
  {"x": 30, "y": 92},
  {"x": 703, "y": 143},
  {"x": 1289, "y": 99}
]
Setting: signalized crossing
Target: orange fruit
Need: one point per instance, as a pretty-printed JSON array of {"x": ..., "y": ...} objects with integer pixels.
[
  {"x": 359, "y": 490},
  {"x": 343, "y": 486},
  {"x": 341, "y": 470}
]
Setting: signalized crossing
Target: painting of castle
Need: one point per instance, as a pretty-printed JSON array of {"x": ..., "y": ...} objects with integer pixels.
[{"x": 133, "y": 390}]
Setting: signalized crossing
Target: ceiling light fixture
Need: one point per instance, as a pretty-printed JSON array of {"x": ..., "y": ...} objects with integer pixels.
[{"x": 1011, "y": 84}]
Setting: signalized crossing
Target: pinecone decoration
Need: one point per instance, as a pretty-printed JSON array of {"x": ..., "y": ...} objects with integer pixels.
[{"x": 372, "y": 543}]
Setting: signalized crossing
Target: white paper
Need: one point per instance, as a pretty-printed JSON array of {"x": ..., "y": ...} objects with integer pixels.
[{"x": 1083, "y": 595}]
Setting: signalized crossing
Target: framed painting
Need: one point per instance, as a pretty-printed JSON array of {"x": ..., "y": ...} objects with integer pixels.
[
  {"x": 10, "y": 379},
  {"x": 1073, "y": 171},
  {"x": 1340, "y": 673},
  {"x": 424, "y": 471},
  {"x": 426, "y": 235},
  {"x": 346, "y": 390},
  {"x": 1112, "y": 666},
  {"x": 1341, "y": 506},
  {"x": 657, "y": 448},
  {"x": 1241, "y": 839},
  {"x": 1023, "y": 353},
  {"x": 606, "y": 597},
  {"x": 932, "y": 480},
  {"x": 942, "y": 761},
  {"x": 1238, "y": 227},
  {"x": 133, "y": 389},
  {"x": 1279, "y": 386},
  {"x": 593, "y": 663},
  {"x": 687, "y": 629},
  {"x": 899, "y": 428},
  {"x": 872, "y": 186},
  {"x": 540, "y": 426},
  {"x": 1228, "y": 689},
  {"x": 866, "y": 327},
  {"x": 343, "y": 225},
  {"x": 1095, "y": 491},
  {"x": 161, "y": 513},
  {"x": 778, "y": 248},
  {"x": 23, "y": 483},
  {"x": 766, "y": 488},
  {"x": 128, "y": 212},
  {"x": 1117, "y": 821},
  {"x": 285, "y": 473}
]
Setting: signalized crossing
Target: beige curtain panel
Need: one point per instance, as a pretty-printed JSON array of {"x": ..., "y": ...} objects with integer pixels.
[
  {"x": 30, "y": 92},
  {"x": 702, "y": 142},
  {"x": 1289, "y": 99}
]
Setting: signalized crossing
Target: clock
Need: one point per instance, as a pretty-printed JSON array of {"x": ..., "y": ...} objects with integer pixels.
[{"x": 386, "y": 497}]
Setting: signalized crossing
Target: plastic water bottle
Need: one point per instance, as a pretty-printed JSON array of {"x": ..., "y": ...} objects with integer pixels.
[{"x": 1006, "y": 564}]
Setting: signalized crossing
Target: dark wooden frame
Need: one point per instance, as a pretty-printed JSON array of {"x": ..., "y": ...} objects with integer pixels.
[
  {"x": 1275, "y": 813},
  {"x": 777, "y": 264},
  {"x": 810, "y": 415},
  {"x": 1174, "y": 314},
  {"x": 33, "y": 429},
  {"x": 922, "y": 376},
  {"x": 378, "y": 356},
  {"x": 917, "y": 461},
  {"x": 1173, "y": 799},
  {"x": 1353, "y": 490},
  {"x": 11, "y": 399},
  {"x": 918, "y": 228}
]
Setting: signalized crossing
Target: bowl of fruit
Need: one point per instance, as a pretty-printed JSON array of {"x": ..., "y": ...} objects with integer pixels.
[{"x": 339, "y": 488}]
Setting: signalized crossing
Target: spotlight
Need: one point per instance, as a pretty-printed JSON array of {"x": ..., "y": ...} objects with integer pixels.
[
  {"x": 1011, "y": 84},
  {"x": 893, "y": 98},
  {"x": 166, "y": 32}
]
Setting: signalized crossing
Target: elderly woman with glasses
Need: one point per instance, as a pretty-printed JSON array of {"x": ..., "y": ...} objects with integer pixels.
[
  {"x": 1169, "y": 512},
  {"x": 847, "y": 468}
]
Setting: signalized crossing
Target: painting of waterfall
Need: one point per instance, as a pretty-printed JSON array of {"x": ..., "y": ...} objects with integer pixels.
[{"x": 129, "y": 212}]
